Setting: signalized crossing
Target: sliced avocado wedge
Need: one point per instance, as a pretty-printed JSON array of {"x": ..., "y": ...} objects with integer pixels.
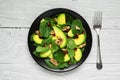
[
  {"x": 66, "y": 58},
  {"x": 81, "y": 38},
  {"x": 51, "y": 55},
  {"x": 46, "y": 54},
  {"x": 59, "y": 33},
  {"x": 36, "y": 39},
  {"x": 61, "y": 19},
  {"x": 78, "y": 55},
  {"x": 70, "y": 33}
]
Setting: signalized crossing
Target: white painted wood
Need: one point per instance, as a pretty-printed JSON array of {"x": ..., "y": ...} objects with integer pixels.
[
  {"x": 14, "y": 48},
  {"x": 14, "y": 13},
  {"x": 35, "y": 72}
]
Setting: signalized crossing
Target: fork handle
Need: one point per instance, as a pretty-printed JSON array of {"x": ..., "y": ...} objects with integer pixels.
[{"x": 99, "y": 60}]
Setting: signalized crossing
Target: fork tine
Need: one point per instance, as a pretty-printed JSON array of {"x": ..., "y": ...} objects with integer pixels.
[{"x": 97, "y": 18}]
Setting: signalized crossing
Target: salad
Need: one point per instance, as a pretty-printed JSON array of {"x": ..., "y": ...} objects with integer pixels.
[{"x": 60, "y": 40}]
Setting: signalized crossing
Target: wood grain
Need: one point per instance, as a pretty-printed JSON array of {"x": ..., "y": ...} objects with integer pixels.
[
  {"x": 35, "y": 72},
  {"x": 14, "y": 13}
]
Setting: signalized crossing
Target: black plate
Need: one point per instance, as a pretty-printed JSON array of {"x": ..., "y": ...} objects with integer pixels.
[{"x": 51, "y": 13}]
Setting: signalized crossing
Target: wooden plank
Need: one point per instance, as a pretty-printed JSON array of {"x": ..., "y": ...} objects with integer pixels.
[
  {"x": 14, "y": 48},
  {"x": 35, "y": 72},
  {"x": 16, "y": 13}
]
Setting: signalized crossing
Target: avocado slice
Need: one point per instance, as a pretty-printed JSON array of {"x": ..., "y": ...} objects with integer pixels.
[
  {"x": 61, "y": 19},
  {"x": 70, "y": 33},
  {"x": 59, "y": 33},
  {"x": 36, "y": 39},
  {"x": 46, "y": 54},
  {"x": 66, "y": 58},
  {"x": 81, "y": 38},
  {"x": 51, "y": 55},
  {"x": 78, "y": 55}
]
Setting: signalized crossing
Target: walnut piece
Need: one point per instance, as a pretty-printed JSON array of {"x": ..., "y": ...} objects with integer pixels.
[
  {"x": 52, "y": 33},
  {"x": 77, "y": 28},
  {"x": 59, "y": 41},
  {"x": 54, "y": 62},
  {"x": 82, "y": 45},
  {"x": 37, "y": 32},
  {"x": 66, "y": 28},
  {"x": 65, "y": 51}
]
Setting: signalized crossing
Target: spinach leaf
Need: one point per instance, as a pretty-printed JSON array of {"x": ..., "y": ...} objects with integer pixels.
[
  {"x": 72, "y": 61},
  {"x": 50, "y": 65},
  {"x": 55, "y": 47},
  {"x": 60, "y": 65},
  {"x": 53, "y": 22},
  {"x": 35, "y": 44},
  {"x": 42, "y": 49},
  {"x": 44, "y": 29},
  {"x": 59, "y": 56},
  {"x": 47, "y": 41},
  {"x": 69, "y": 19},
  {"x": 78, "y": 23},
  {"x": 36, "y": 53},
  {"x": 71, "y": 52},
  {"x": 71, "y": 44},
  {"x": 31, "y": 38},
  {"x": 63, "y": 65}
]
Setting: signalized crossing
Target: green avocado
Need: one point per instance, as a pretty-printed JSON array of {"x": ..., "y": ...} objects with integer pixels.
[
  {"x": 81, "y": 38},
  {"x": 36, "y": 39},
  {"x": 59, "y": 34},
  {"x": 51, "y": 55},
  {"x": 78, "y": 55},
  {"x": 70, "y": 33},
  {"x": 61, "y": 19},
  {"x": 46, "y": 54},
  {"x": 66, "y": 58}
]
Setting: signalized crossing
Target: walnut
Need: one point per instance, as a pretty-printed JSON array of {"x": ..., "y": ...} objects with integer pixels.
[
  {"x": 37, "y": 32},
  {"x": 54, "y": 62},
  {"x": 82, "y": 45},
  {"x": 50, "y": 46},
  {"x": 66, "y": 28},
  {"x": 65, "y": 51},
  {"x": 59, "y": 41},
  {"x": 52, "y": 33},
  {"x": 77, "y": 28}
]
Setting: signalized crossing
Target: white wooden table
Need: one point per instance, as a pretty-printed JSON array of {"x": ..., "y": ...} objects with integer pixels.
[{"x": 16, "y": 17}]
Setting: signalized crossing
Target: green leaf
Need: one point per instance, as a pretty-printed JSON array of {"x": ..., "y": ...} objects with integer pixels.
[
  {"x": 42, "y": 49},
  {"x": 72, "y": 60},
  {"x": 71, "y": 44},
  {"x": 63, "y": 65},
  {"x": 82, "y": 49},
  {"x": 53, "y": 22},
  {"x": 77, "y": 22},
  {"x": 44, "y": 29},
  {"x": 47, "y": 41},
  {"x": 69, "y": 19},
  {"x": 71, "y": 52},
  {"x": 60, "y": 65},
  {"x": 36, "y": 53},
  {"x": 31, "y": 38},
  {"x": 55, "y": 47},
  {"x": 35, "y": 44},
  {"x": 59, "y": 56},
  {"x": 50, "y": 65}
]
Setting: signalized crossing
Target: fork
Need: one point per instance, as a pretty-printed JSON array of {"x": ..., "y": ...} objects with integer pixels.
[{"x": 97, "y": 24}]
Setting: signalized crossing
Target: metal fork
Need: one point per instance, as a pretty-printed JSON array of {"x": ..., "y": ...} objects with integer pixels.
[{"x": 97, "y": 24}]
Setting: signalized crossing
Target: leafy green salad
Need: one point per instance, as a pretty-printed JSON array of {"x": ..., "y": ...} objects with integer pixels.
[{"x": 60, "y": 40}]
